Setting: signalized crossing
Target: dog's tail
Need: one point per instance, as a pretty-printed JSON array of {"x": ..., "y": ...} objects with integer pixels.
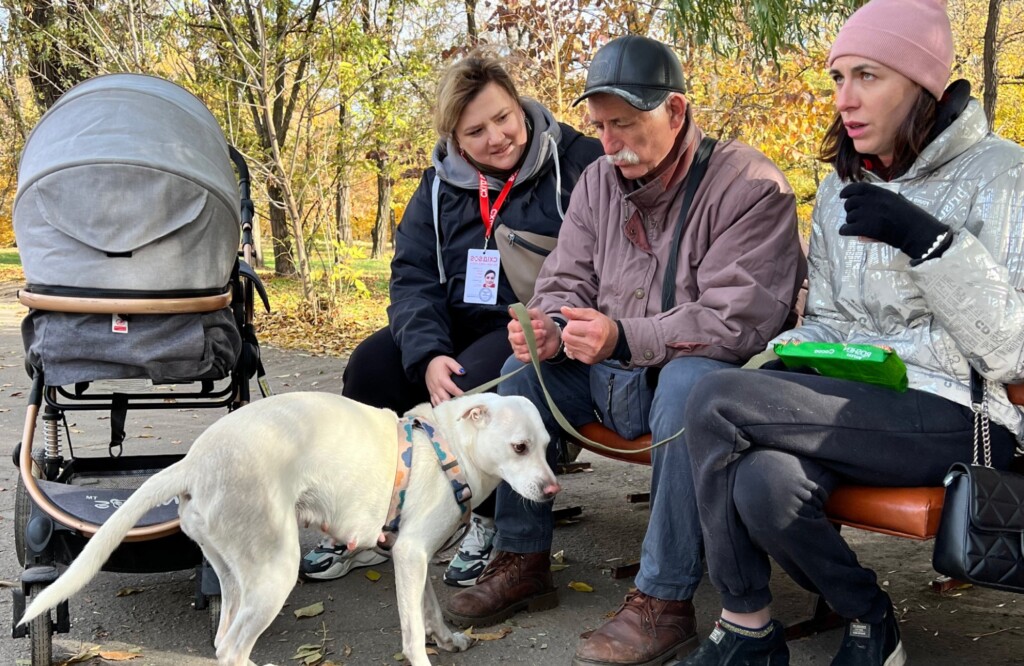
[{"x": 156, "y": 490}]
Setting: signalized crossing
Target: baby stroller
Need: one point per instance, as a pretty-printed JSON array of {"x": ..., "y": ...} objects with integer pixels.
[{"x": 128, "y": 218}]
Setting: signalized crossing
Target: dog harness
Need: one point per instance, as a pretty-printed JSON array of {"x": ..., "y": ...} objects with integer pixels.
[{"x": 449, "y": 465}]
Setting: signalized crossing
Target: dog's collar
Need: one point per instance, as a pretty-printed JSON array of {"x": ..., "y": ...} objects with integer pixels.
[{"x": 449, "y": 465}]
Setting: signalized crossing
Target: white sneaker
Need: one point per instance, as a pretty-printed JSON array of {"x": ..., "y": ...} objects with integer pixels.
[
  {"x": 474, "y": 553},
  {"x": 329, "y": 561}
]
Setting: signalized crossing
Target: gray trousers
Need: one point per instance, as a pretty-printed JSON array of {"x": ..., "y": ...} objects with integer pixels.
[{"x": 767, "y": 449}]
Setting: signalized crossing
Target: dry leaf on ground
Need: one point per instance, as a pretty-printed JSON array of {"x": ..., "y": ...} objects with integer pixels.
[
  {"x": 128, "y": 591},
  {"x": 310, "y": 611},
  {"x": 490, "y": 636}
]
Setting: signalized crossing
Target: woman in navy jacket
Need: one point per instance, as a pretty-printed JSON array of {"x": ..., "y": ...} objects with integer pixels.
[{"x": 502, "y": 161}]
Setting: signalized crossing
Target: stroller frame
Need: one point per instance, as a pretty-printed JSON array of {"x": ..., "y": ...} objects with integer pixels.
[{"x": 46, "y": 533}]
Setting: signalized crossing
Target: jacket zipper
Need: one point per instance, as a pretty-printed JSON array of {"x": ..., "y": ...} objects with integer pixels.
[{"x": 514, "y": 240}]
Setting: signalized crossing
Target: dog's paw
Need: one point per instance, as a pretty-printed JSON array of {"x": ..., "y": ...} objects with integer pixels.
[{"x": 461, "y": 642}]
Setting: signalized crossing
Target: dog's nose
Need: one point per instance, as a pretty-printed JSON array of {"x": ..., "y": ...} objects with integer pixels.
[{"x": 551, "y": 489}]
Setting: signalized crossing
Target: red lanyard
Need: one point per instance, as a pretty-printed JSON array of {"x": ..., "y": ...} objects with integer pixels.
[{"x": 486, "y": 212}]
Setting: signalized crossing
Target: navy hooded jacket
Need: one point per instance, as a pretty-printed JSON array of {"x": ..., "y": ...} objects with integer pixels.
[{"x": 427, "y": 315}]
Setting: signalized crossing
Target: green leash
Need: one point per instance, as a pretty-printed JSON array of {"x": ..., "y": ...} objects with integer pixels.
[{"x": 519, "y": 310}]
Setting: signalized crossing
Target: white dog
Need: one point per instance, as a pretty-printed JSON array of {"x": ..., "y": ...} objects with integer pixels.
[{"x": 328, "y": 461}]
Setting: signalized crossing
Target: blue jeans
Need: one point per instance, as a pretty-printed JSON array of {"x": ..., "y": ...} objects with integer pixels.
[{"x": 670, "y": 564}]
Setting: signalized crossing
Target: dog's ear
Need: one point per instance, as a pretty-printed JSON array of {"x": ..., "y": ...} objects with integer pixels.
[{"x": 479, "y": 414}]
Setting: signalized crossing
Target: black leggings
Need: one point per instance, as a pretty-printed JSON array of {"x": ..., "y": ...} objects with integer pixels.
[
  {"x": 767, "y": 448},
  {"x": 375, "y": 376}
]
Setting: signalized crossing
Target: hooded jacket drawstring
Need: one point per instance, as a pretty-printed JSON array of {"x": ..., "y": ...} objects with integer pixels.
[{"x": 558, "y": 178}]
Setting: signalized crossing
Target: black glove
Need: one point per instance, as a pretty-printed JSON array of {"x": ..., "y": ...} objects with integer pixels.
[{"x": 875, "y": 212}]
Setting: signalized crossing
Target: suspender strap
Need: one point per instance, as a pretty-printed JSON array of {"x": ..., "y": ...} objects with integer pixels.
[{"x": 696, "y": 175}]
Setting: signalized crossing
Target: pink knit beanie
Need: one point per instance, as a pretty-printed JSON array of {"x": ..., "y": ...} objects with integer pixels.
[{"x": 912, "y": 37}]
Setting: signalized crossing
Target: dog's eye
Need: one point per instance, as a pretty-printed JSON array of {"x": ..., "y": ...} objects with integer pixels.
[{"x": 519, "y": 447}]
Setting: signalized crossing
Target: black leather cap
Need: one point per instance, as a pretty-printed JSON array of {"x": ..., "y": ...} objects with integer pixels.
[{"x": 638, "y": 69}]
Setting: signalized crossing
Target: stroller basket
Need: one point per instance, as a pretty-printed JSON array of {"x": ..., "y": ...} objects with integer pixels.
[{"x": 89, "y": 491}]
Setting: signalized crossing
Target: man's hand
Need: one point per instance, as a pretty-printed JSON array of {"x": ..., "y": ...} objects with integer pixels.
[
  {"x": 545, "y": 330},
  {"x": 589, "y": 336},
  {"x": 439, "y": 379}
]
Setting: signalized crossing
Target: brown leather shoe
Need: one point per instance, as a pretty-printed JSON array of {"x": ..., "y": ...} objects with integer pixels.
[
  {"x": 511, "y": 582},
  {"x": 645, "y": 631}
]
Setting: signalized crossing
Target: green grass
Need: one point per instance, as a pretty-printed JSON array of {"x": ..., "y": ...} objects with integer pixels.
[{"x": 9, "y": 257}]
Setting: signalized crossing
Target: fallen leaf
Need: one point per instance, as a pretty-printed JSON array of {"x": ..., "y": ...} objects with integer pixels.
[
  {"x": 87, "y": 653},
  {"x": 118, "y": 655},
  {"x": 559, "y": 567},
  {"x": 128, "y": 591},
  {"x": 372, "y": 575},
  {"x": 310, "y": 611},
  {"x": 580, "y": 587},
  {"x": 491, "y": 636},
  {"x": 304, "y": 651}
]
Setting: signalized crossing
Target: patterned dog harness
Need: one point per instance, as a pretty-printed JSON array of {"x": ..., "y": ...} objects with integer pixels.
[{"x": 449, "y": 465}]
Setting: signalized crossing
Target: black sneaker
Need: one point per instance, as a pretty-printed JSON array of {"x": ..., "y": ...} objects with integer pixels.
[
  {"x": 872, "y": 644},
  {"x": 726, "y": 648}
]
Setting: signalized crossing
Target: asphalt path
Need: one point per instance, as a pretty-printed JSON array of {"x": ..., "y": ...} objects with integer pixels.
[{"x": 151, "y": 617}]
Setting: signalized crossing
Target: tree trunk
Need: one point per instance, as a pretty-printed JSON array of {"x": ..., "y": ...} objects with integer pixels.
[
  {"x": 279, "y": 231},
  {"x": 343, "y": 208},
  {"x": 383, "y": 221},
  {"x": 54, "y": 66},
  {"x": 392, "y": 225},
  {"x": 472, "y": 37},
  {"x": 991, "y": 61},
  {"x": 343, "y": 195}
]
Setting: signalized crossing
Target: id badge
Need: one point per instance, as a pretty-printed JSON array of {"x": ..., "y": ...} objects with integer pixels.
[{"x": 483, "y": 268}]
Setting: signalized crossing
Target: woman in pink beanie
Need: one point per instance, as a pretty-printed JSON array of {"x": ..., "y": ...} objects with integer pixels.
[{"x": 917, "y": 246}]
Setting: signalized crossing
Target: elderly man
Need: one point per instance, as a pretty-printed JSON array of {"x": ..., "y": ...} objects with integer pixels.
[{"x": 624, "y": 348}]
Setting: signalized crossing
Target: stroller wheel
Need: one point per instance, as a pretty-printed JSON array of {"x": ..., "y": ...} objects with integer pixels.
[
  {"x": 41, "y": 631},
  {"x": 22, "y": 510},
  {"x": 214, "y": 606}
]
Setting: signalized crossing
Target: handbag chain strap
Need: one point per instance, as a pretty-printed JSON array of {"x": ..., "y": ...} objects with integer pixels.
[{"x": 979, "y": 405}]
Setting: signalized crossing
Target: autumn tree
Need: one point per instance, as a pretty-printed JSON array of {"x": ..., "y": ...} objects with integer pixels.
[{"x": 271, "y": 44}]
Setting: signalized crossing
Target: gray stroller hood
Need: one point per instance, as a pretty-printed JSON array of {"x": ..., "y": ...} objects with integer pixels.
[{"x": 126, "y": 185}]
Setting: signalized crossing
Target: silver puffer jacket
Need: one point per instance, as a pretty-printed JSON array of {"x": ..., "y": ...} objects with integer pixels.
[{"x": 964, "y": 307}]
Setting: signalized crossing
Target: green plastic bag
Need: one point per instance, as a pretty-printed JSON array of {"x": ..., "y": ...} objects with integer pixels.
[{"x": 860, "y": 363}]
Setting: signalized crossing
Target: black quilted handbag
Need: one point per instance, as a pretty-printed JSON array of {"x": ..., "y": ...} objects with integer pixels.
[
  {"x": 979, "y": 538},
  {"x": 982, "y": 528}
]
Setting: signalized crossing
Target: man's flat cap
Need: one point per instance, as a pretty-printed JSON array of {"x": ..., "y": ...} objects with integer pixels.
[{"x": 638, "y": 69}]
